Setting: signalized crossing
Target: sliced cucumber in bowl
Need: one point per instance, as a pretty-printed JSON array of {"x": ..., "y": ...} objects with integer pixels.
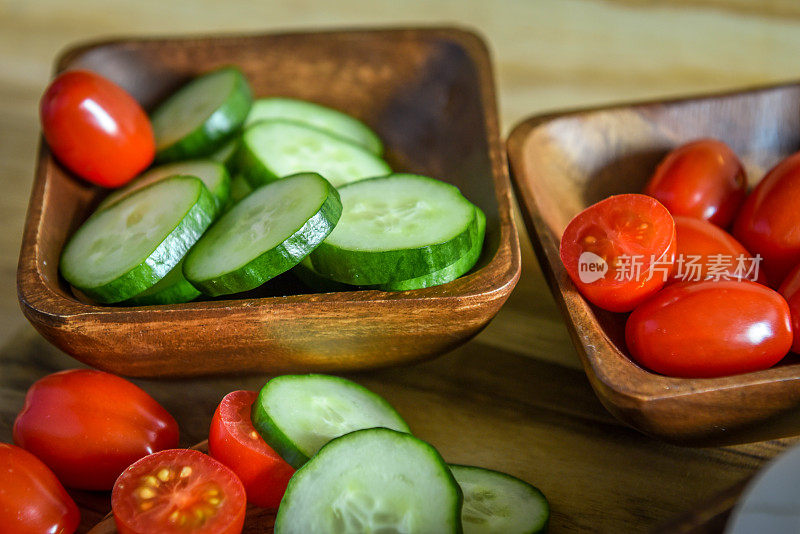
[
  {"x": 373, "y": 480},
  {"x": 202, "y": 115},
  {"x": 318, "y": 116},
  {"x": 395, "y": 228},
  {"x": 309, "y": 276},
  {"x": 273, "y": 149},
  {"x": 213, "y": 174},
  {"x": 447, "y": 274},
  {"x": 264, "y": 235},
  {"x": 172, "y": 289},
  {"x": 123, "y": 250},
  {"x": 298, "y": 414}
]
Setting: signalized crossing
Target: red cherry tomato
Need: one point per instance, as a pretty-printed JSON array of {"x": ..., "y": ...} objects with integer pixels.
[
  {"x": 769, "y": 222},
  {"x": 180, "y": 491},
  {"x": 233, "y": 440},
  {"x": 608, "y": 250},
  {"x": 790, "y": 289},
  {"x": 88, "y": 426},
  {"x": 703, "y": 179},
  {"x": 708, "y": 329},
  {"x": 96, "y": 129},
  {"x": 32, "y": 500},
  {"x": 706, "y": 251}
]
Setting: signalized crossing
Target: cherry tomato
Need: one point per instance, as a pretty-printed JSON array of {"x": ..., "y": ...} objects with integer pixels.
[
  {"x": 178, "y": 491},
  {"x": 233, "y": 440},
  {"x": 706, "y": 251},
  {"x": 96, "y": 129},
  {"x": 769, "y": 222},
  {"x": 32, "y": 500},
  {"x": 88, "y": 426},
  {"x": 609, "y": 248},
  {"x": 790, "y": 289},
  {"x": 708, "y": 329},
  {"x": 703, "y": 179}
]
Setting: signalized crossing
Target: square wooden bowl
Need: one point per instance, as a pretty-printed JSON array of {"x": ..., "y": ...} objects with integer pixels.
[
  {"x": 564, "y": 162},
  {"x": 429, "y": 93}
]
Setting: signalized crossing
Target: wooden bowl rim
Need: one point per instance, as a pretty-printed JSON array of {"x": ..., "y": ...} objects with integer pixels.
[
  {"x": 496, "y": 278},
  {"x": 633, "y": 385}
]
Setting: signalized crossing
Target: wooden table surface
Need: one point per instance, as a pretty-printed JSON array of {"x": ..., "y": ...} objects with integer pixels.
[{"x": 514, "y": 398}]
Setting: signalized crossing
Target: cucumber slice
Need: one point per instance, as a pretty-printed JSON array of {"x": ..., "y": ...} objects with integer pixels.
[
  {"x": 273, "y": 149},
  {"x": 305, "y": 272},
  {"x": 298, "y": 414},
  {"x": 395, "y": 228},
  {"x": 498, "y": 503},
  {"x": 460, "y": 267},
  {"x": 265, "y": 234},
  {"x": 128, "y": 247},
  {"x": 213, "y": 175},
  {"x": 197, "y": 119},
  {"x": 318, "y": 116},
  {"x": 310, "y": 277},
  {"x": 240, "y": 188},
  {"x": 172, "y": 289},
  {"x": 225, "y": 154},
  {"x": 374, "y": 480}
]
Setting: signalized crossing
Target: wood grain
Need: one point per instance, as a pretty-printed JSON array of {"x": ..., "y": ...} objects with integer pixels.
[
  {"x": 514, "y": 397},
  {"x": 562, "y": 163},
  {"x": 430, "y": 96}
]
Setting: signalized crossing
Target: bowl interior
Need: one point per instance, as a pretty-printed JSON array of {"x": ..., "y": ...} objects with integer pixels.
[{"x": 420, "y": 90}]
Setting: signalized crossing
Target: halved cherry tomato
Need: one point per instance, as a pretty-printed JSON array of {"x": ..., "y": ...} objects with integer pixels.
[
  {"x": 96, "y": 129},
  {"x": 706, "y": 251},
  {"x": 703, "y": 179},
  {"x": 178, "y": 491},
  {"x": 790, "y": 289},
  {"x": 88, "y": 426},
  {"x": 608, "y": 250},
  {"x": 233, "y": 440},
  {"x": 709, "y": 329},
  {"x": 769, "y": 222},
  {"x": 32, "y": 500}
]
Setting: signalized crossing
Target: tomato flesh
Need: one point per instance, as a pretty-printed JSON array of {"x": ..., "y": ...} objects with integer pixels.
[
  {"x": 32, "y": 500},
  {"x": 706, "y": 251},
  {"x": 96, "y": 129},
  {"x": 178, "y": 491},
  {"x": 619, "y": 251},
  {"x": 769, "y": 222},
  {"x": 710, "y": 329},
  {"x": 88, "y": 426},
  {"x": 234, "y": 441},
  {"x": 703, "y": 179}
]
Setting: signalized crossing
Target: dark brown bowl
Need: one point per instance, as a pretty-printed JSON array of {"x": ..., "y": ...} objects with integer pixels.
[
  {"x": 563, "y": 162},
  {"x": 429, "y": 93}
]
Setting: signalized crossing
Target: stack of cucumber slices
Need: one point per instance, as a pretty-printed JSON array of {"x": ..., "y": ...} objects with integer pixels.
[
  {"x": 247, "y": 190},
  {"x": 360, "y": 469}
]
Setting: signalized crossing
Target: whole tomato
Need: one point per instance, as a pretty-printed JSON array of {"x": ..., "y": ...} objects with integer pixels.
[
  {"x": 769, "y": 222},
  {"x": 234, "y": 441},
  {"x": 32, "y": 500},
  {"x": 790, "y": 289},
  {"x": 88, "y": 426},
  {"x": 96, "y": 129},
  {"x": 705, "y": 251},
  {"x": 703, "y": 179},
  {"x": 709, "y": 329},
  {"x": 619, "y": 251}
]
